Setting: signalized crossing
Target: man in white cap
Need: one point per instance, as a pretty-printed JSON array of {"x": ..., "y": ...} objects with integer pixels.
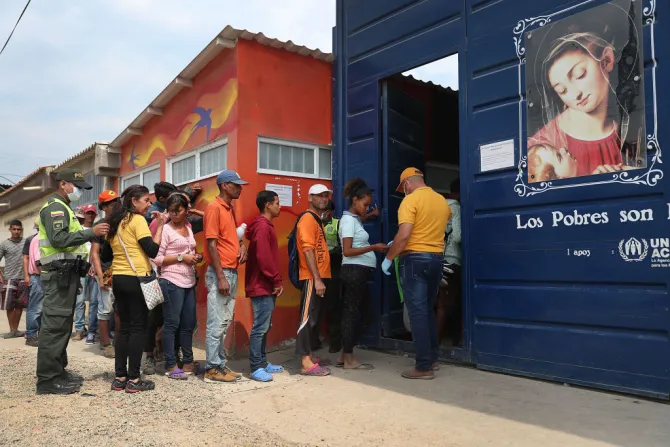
[{"x": 314, "y": 267}]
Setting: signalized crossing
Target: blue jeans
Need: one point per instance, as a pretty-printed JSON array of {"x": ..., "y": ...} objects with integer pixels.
[
  {"x": 220, "y": 310},
  {"x": 263, "y": 307},
  {"x": 178, "y": 314},
  {"x": 35, "y": 300},
  {"x": 420, "y": 275},
  {"x": 90, "y": 292}
]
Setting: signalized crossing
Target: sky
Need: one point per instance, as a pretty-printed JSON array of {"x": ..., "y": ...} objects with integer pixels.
[{"x": 77, "y": 72}]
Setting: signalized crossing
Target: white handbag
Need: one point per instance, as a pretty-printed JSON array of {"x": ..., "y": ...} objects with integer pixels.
[{"x": 153, "y": 295}]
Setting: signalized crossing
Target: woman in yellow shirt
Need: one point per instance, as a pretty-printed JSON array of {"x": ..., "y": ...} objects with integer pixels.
[{"x": 131, "y": 246}]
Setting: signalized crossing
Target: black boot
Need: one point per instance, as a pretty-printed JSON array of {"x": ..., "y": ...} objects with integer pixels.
[
  {"x": 71, "y": 377},
  {"x": 57, "y": 386}
]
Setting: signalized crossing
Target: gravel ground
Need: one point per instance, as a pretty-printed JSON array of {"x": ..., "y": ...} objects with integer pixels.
[{"x": 175, "y": 412}]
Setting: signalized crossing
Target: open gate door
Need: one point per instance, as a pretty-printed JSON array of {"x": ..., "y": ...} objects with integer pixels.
[{"x": 403, "y": 145}]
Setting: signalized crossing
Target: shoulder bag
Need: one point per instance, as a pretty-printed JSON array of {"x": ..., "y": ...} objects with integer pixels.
[{"x": 151, "y": 290}]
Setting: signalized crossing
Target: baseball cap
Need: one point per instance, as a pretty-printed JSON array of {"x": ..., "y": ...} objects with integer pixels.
[
  {"x": 79, "y": 213},
  {"x": 89, "y": 209},
  {"x": 407, "y": 173},
  {"x": 107, "y": 196},
  {"x": 319, "y": 189},
  {"x": 230, "y": 176},
  {"x": 73, "y": 176}
]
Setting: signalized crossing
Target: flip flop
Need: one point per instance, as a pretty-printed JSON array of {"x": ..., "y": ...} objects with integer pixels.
[
  {"x": 317, "y": 371},
  {"x": 274, "y": 369},
  {"x": 363, "y": 367},
  {"x": 177, "y": 374},
  {"x": 323, "y": 362},
  {"x": 339, "y": 365}
]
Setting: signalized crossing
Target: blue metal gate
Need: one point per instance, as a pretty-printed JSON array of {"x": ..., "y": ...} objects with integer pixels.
[{"x": 578, "y": 303}]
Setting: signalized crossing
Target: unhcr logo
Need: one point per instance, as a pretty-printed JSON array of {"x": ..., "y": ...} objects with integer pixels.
[{"x": 633, "y": 250}]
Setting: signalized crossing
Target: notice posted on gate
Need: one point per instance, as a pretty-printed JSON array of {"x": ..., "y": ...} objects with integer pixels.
[{"x": 499, "y": 155}]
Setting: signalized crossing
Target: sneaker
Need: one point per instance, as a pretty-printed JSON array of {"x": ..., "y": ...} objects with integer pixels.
[
  {"x": 140, "y": 385},
  {"x": 119, "y": 385},
  {"x": 227, "y": 370},
  {"x": 108, "y": 351},
  {"x": 79, "y": 335},
  {"x": 149, "y": 366},
  {"x": 32, "y": 341},
  {"x": 218, "y": 374},
  {"x": 90, "y": 339}
]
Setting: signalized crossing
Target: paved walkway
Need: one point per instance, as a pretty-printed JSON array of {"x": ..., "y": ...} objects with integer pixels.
[{"x": 461, "y": 407}]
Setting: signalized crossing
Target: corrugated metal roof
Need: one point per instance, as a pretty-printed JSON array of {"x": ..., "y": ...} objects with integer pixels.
[
  {"x": 227, "y": 38},
  {"x": 47, "y": 169},
  {"x": 431, "y": 83},
  {"x": 79, "y": 155}
]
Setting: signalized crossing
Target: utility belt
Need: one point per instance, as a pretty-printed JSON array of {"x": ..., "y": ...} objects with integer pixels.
[{"x": 65, "y": 270}]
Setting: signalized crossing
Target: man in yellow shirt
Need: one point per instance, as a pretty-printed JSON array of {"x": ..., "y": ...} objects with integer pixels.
[{"x": 422, "y": 221}]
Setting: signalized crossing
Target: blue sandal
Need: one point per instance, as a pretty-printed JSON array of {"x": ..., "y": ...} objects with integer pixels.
[
  {"x": 261, "y": 375},
  {"x": 274, "y": 369}
]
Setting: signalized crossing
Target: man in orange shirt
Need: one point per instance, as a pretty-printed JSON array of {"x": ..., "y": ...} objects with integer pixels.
[
  {"x": 224, "y": 254},
  {"x": 314, "y": 263}
]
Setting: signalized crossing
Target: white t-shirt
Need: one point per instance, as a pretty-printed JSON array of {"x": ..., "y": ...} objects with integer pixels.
[{"x": 351, "y": 226}]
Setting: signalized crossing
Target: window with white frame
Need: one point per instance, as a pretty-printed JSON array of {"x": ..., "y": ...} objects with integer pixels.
[
  {"x": 293, "y": 158},
  {"x": 203, "y": 162},
  {"x": 147, "y": 177}
]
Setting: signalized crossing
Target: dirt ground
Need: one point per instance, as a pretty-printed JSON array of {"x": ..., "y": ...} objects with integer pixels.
[{"x": 461, "y": 407}]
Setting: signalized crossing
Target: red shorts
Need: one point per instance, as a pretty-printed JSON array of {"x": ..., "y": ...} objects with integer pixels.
[{"x": 15, "y": 294}]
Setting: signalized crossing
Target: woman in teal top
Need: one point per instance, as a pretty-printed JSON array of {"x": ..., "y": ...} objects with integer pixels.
[{"x": 358, "y": 263}]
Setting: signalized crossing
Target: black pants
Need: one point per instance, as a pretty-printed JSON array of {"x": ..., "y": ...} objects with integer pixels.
[
  {"x": 310, "y": 308},
  {"x": 57, "y": 318},
  {"x": 130, "y": 339},
  {"x": 356, "y": 311},
  {"x": 331, "y": 310}
]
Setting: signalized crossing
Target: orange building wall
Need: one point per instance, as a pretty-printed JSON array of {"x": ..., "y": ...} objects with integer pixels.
[
  {"x": 287, "y": 96},
  {"x": 251, "y": 90}
]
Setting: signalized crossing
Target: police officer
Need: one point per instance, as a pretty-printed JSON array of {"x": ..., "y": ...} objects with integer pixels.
[{"x": 63, "y": 254}]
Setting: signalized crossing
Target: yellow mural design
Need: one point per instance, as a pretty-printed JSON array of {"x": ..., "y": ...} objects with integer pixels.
[
  {"x": 219, "y": 105},
  {"x": 227, "y": 98}
]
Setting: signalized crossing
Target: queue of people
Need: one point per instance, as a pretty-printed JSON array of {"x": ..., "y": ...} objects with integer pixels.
[{"x": 141, "y": 251}]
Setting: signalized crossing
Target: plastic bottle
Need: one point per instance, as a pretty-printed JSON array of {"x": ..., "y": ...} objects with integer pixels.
[{"x": 240, "y": 231}]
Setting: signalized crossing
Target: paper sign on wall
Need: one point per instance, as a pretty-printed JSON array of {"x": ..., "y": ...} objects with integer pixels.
[
  {"x": 285, "y": 193},
  {"x": 499, "y": 155}
]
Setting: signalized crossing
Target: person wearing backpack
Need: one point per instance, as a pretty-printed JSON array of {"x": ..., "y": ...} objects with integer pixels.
[
  {"x": 332, "y": 310},
  {"x": 308, "y": 241}
]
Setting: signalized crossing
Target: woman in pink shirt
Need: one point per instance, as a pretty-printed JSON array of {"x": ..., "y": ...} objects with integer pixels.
[{"x": 176, "y": 261}]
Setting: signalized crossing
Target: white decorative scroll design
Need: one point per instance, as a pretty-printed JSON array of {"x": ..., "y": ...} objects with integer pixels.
[{"x": 649, "y": 176}]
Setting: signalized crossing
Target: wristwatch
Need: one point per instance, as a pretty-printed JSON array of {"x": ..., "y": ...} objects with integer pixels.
[{"x": 180, "y": 258}]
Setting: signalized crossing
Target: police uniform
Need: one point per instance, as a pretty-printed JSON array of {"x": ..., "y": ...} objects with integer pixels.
[{"x": 63, "y": 254}]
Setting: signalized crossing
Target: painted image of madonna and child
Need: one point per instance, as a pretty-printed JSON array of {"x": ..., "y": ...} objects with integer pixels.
[{"x": 585, "y": 94}]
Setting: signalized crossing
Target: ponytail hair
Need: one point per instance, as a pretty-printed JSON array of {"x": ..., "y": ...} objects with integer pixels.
[
  {"x": 356, "y": 188},
  {"x": 123, "y": 210}
]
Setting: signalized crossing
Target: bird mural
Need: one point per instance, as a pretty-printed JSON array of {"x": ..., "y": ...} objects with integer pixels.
[
  {"x": 204, "y": 121},
  {"x": 133, "y": 157}
]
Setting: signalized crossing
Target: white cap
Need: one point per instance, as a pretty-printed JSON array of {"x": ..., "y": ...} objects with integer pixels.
[{"x": 319, "y": 189}]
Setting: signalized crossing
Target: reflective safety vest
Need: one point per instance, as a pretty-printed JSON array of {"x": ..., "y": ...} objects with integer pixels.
[
  {"x": 48, "y": 253},
  {"x": 330, "y": 231}
]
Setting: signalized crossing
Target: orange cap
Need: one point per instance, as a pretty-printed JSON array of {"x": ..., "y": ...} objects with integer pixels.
[
  {"x": 407, "y": 173},
  {"x": 107, "y": 196}
]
